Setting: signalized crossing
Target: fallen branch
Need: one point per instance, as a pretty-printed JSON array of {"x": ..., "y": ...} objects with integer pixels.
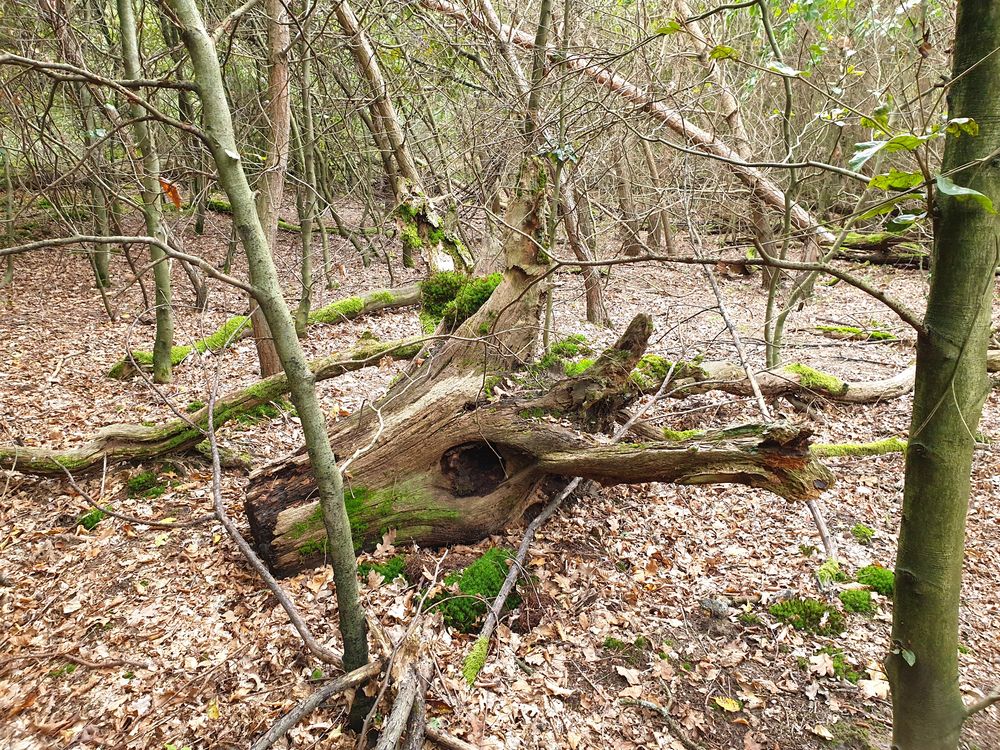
[{"x": 126, "y": 442}]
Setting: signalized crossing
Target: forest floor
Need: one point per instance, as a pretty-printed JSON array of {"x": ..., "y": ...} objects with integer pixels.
[{"x": 135, "y": 637}]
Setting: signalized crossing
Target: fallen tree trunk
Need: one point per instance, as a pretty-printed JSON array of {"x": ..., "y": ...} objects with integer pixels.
[
  {"x": 449, "y": 467},
  {"x": 238, "y": 327},
  {"x": 130, "y": 442}
]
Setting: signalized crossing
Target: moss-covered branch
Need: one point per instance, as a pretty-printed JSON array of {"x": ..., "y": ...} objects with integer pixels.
[
  {"x": 126, "y": 442},
  {"x": 875, "y": 448},
  {"x": 238, "y": 326}
]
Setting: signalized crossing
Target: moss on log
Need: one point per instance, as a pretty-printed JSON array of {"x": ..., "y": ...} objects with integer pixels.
[{"x": 124, "y": 442}]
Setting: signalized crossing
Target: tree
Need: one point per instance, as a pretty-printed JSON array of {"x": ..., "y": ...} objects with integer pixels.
[{"x": 951, "y": 386}]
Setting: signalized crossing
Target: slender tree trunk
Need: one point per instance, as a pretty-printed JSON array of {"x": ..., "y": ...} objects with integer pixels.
[
  {"x": 306, "y": 198},
  {"x": 632, "y": 243},
  {"x": 951, "y": 386},
  {"x": 661, "y": 232},
  {"x": 151, "y": 203},
  {"x": 264, "y": 277},
  {"x": 272, "y": 182}
]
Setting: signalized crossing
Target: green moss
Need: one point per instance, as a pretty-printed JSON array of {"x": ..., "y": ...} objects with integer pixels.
[
  {"x": 863, "y": 534},
  {"x": 262, "y": 412},
  {"x": 90, "y": 519},
  {"x": 572, "y": 346},
  {"x": 857, "y": 600},
  {"x": 338, "y": 311},
  {"x": 830, "y": 572},
  {"x": 390, "y": 570},
  {"x": 194, "y": 406},
  {"x": 225, "y": 335},
  {"x": 614, "y": 644},
  {"x": 142, "y": 483},
  {"x": 476, "y": 660},
  {"x": 490, "y": 383},
  {"x": 878, "y": 578},
  {"x": 842, "y": 669},
  {"x": 469, "y": 299},
  {"x": 64, "y": 671},
  {"x": 438, "y": 290},
  {"x": 410, "y": 238},
  {"x": 810, "y": 615},
  {"x": 380, "y": 298},
  {"x": 576, "y": 369},
  {"x": 533, "y": 413},
  {"x": 650, "y": 372},
  {"x": 749, "y": 618},
  {"x": 877, "y": 448},
  {"x": 816, "y": 380},
  {"x": 679, "y": 436},
  {"x": 859, "y": 334},
  {"x": 477, "y": 586}
]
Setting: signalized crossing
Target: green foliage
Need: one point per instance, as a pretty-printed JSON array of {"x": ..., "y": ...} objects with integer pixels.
[
  {"x": 878, "y": 578},
  {"x": 90, "y": 519},
  {"x": 862, "y": 533},
  {"x": 857, "y": 600},
  {"x": 477, "y": 586},
  {"x": 64, "y": 671},
  {"x": 810, "y": 615},
  {"x": 829, "y": 573},
  {"x": 390, "y": 570}
]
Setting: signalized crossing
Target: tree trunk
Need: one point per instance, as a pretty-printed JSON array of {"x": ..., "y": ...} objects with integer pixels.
[
  {"x": 272, "y": 183},
  {"x": 151, "y": 203},
  {"x": 264, "y": 277},
  {"x": 951, "y": 385}
]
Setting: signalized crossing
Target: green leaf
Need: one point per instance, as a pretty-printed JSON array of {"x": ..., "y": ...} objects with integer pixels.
[
  {"x": 908, "y": 656},
  {"x": 948, "y": 187},
  {"x": 666, "y": 27},
  {"x": 958, "y": 125},
  {"x": 902, "y": 142},
  {"x": 722, "y": 52},
  {"x": 776, "y": 66},
  {"x": 886, "y": 206},
  {"x": 896, "y": 180},
  {"x": 903, "y": 222}
]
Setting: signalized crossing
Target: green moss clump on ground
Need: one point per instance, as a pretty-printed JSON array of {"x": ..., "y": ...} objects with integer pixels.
[
  {"x": 857, "y": 600},
  {"x": 614, "y": 644},
  {"x": 810, "y": 615},
  {"x": 90, "y": 519},
  {"x": 862, "y": 533},
  {"x": 194, "y": 406},
  {"x": 878, "y": 578},
  {"x": 576, "y": 369},
  {"x": 877, "y": 448},
  {"x": 830, "y": 572},
  {"x": 390, "y": 570},
  {"x": 841, "y": 668},
  {"x": 142, "y": 483},
  {"x": 572, "y": 346},
  {"x": 478, "y": 585},
  {"x": 816, "y": 380},
  {"x": 335, "y": 312}
]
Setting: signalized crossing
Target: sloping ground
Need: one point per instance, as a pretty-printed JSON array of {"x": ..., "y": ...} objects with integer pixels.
[{"x": 132, "y": 636}]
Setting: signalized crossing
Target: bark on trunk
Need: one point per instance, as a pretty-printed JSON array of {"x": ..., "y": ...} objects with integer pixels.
[{"x": 951, "y": 386}]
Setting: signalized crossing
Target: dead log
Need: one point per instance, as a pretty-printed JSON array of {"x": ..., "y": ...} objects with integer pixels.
[
  {"x": 449, "y": 467},
  {"x": 131, "y": 442}
]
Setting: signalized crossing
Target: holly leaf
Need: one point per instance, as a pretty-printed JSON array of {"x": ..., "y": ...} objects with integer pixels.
[{"x": 722, "y": 52}]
